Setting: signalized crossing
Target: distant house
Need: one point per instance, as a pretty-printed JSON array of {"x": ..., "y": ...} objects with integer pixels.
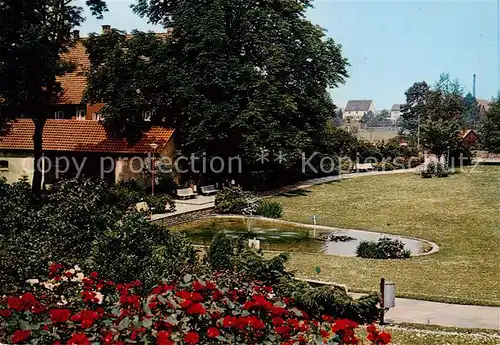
[
  {"x": 468, "y": 138},
  {"x": 395, "y": 112},
  {"x": 355, "y": 109},
  {"x": 84, "y": 144},
  {"x": 484, "y": 106}
]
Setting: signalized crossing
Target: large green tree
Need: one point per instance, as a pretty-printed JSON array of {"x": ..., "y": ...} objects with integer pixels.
[
  {"x": 235, "y": 78},
  {"x": 439, "y": 109},
  {"x": 490, "y": 129},
  {"x": 413, "y": 110},
  {"x": 34, "y": 36}
]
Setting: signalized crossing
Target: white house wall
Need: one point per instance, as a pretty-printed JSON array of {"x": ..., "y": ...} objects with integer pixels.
[{"x": 19, "y": 166}]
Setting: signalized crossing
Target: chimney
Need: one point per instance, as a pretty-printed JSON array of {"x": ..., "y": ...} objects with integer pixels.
[
  {"x": 474, "y": 86},
  {"x": 106, "y": 29},
  {"x": 76, "y": 34}
]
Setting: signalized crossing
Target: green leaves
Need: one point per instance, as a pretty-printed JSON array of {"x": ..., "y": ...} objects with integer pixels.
[
  {"x": 124, "y": 324},
  {"x": 490, "y": 129}
]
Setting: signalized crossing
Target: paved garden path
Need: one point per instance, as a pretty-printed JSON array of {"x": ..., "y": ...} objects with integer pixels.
[{"x": 444, "y": 314}]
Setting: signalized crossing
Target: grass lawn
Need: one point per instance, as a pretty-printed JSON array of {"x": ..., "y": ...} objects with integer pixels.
[
  {"x": 441, "y": 336},
  {"x": 460, "y": 213}
]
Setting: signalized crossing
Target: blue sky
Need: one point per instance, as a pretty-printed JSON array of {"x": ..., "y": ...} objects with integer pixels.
[{"x": 390, "y": 44}]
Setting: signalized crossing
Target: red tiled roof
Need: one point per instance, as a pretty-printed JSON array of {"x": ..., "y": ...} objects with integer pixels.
[
  {"x": 74, "y": 83},
  {"x": 80, "y": 136}
]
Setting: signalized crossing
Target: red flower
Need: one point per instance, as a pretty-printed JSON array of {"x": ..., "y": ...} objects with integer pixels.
[
  {"x": 384, "y": 338},
  {"x": 59, "y": 315},
  {"x": 278, "y": 321},
  {"x": 278, "y": 311},
  {"x": 191, "y": 338},
  {"x": 198, "y": 286},
  {"x": 213, "y": 332},
  {"x": 5, "y": 313},
  {"x": 78, "y": 339},
  {"x": 93, "y": 275},
  {"x": 108, "y": 337},
  {"x": 229, "y": 321},
  {"x": 196, "y": 309},
  {"x": 86, "y": 318},
  {"x": 343, "y": 325},
  {"x": 19, "y": 336},
  {"x": 327, "y": 318},
  {"x": 186, "y": 304},
  {"x": 283, "y": 331},
  {"x": 54, "y": 268},
  {"x": 14, "y": 303},
  {"x": 163, "y": 338}
]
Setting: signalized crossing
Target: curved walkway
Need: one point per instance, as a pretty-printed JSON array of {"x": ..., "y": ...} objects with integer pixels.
[{"x": 444, "y": 314}]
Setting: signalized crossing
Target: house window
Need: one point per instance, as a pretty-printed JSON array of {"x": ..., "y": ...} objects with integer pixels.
[
  {"x": 4, "y": 165},
  {"x": 147, "y": 115},
  {"x": 80, "y": 115},
  {"x": 96, "y": 117},
  {"x": 59, "y": 114}
]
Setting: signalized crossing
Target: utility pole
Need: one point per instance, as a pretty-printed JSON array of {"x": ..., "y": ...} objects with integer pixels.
[{"x": 418, "y": 130}]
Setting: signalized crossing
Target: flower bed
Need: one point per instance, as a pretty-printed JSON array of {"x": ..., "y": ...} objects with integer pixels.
[{"x": 76, "y": 310}]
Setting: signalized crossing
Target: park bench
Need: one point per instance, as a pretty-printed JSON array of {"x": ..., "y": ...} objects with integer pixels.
[
  {"x": 142, "y": 207},
  {"x": 186, "y": 193},
  {"x": 364, "y": 167},
  {"x": 208, "y": 190}
]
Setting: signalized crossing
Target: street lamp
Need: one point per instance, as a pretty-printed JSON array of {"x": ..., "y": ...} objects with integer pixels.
[{"x": 153, "y": 146}]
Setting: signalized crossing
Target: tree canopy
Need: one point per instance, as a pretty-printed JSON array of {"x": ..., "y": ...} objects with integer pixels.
[
  {"x": 33, "y": 38},
  {"x": 235, "y": 77},
  {"x": 438, "y": 111},
  {"x": 490, "y": 129}
]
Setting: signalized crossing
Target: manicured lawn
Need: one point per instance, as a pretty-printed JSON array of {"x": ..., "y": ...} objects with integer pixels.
[
  {"x": 460, "y": 213},
  {"x": 414, "y": 336}
]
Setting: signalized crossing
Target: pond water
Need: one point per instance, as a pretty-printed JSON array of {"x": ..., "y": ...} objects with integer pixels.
[{"x": 285, "y": 237}]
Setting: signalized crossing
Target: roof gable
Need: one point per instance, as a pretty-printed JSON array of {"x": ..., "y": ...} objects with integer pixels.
[
  {"x": 396, "y": 107},
  {"x": 80, "y": 136},
  {"x": 358, "y": 105}
]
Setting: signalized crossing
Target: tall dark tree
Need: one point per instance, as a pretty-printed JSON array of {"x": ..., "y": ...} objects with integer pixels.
[
  {"x": 471, "y": 115},
  {"x": 235, "y": 78},
  {"x": 490, "y": 128},
  {"x": 34, "y": 36},
  {"x": 413, "y": 110}
]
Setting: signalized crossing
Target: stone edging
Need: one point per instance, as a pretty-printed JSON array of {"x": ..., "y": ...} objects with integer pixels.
[
  {"x": 185, "y": 217},
  {"x": 435, "y": 247}
]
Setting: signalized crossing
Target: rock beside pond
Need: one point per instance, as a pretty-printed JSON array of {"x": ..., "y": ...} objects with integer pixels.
[{"x": 331, "y": 237}]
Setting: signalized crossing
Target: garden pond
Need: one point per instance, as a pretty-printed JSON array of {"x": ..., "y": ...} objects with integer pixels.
[{"x": 289, "y": 237}]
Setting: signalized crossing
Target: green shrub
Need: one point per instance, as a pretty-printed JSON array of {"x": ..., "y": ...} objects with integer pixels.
[
  {"x": 384, "y": 166},
  {"x": 137, "y": 249},
  {"x": 269, "y": 209},
  {"x": 60, "y": 227},
  {"x": 160, "y": 203},
  {"x": 233, "y": 200},
  {"x": 334, "y": 301},
  {"x": 433, "y": 169},
  {"x": 165, "y": 183},
  {"x": 384, "y": 248},
  {"x": 367, "y": 249},
  {"x": 221, "y": 252}
]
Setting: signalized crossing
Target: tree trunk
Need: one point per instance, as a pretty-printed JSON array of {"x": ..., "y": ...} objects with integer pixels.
[{"x": 38, "y": 151}]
